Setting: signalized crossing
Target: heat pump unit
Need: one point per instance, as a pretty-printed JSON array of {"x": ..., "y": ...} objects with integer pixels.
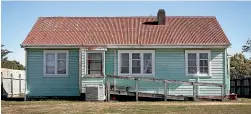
[{"x": 95, "y": 92}]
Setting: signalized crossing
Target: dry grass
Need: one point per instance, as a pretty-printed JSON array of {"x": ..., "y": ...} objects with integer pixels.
[{"x": 56, "y": 107}]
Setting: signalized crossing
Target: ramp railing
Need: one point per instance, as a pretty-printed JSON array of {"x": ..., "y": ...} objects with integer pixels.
[{"x": 137, "y": 79}]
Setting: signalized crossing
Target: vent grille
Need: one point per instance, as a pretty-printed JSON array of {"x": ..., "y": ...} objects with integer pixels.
[
  {"x": 92, "y": 93},
  {"x": 95, "y": 92}
]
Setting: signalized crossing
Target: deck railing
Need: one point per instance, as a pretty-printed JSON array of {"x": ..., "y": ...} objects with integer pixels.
[{"x": 137, "y": 79}]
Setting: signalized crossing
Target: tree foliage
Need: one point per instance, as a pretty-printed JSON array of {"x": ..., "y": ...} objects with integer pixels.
[
  {"x": 4, "y": 53},
  {"x": 247, "y": 46},
  {"x": 240, "y": 66},
  {"x": 5, "y": 63}
]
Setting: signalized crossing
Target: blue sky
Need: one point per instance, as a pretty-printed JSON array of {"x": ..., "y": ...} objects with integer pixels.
[{"x": 19, "y": 17}]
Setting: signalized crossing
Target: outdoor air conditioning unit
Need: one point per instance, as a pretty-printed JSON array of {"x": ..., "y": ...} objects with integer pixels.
[{"x": 95, "y": 92}]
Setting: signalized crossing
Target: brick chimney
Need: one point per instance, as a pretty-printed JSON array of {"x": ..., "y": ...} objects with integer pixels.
[{"x": 161, "y": 17}]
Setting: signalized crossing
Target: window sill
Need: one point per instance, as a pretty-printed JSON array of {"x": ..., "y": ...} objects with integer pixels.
[
  {"x": 138, "y": 75},
  {"x": 200, "y": 76},
  {"x": 56, "y": 75},
  {"x": 94, "y": 76}
]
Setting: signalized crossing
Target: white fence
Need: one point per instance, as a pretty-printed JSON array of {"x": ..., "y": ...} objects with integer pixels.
[{"x": 13, "y": 83}]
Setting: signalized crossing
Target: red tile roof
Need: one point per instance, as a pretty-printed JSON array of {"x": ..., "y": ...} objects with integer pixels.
[{"x": 178, "y": 30}]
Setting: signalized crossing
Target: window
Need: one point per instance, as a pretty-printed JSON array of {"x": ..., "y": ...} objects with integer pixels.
[
  {"x": 198, "y": 62},
  {"x": 136, "y": 62},
  {"x": 55, "y": 62},
  {"x": 94, "y": 64}
]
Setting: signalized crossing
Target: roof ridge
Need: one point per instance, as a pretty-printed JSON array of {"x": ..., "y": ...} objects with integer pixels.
[{"x": 128, "y": 17}]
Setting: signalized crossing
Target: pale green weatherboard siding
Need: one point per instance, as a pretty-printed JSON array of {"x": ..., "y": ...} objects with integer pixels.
[
  {"x": 170, "y": 64},
  {"x": 51, "y": 86}
]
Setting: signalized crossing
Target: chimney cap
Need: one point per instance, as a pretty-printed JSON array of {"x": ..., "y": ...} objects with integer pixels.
[{"x": 161, "y": 10}]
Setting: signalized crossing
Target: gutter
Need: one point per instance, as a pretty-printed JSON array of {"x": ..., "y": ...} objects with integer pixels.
[{"x": 128, "y": 46}]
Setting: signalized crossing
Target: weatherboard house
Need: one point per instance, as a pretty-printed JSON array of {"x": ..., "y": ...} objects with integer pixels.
[{"x": 71, "y": 56}]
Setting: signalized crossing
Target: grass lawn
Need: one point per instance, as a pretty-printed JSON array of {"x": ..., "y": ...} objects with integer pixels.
[{"x": 58, "y": 107}]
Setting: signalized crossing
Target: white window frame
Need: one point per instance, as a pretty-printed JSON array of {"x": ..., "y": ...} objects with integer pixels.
[
  {"x": 141, "y": 60},
  {"x": 56, "y": 65},
  {"x": 103, "y": 61},
  {"x": 198, "y": 74}
]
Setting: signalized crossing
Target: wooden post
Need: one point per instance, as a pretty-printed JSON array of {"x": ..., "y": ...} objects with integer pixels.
[
  {"x": 108, "y": 88},
  {"x": 2, "y": 83},
  {"x": 194, "y": 92},
  {"x": 165, "y": 91},
  {"x": 241, "y": 91},
  {"x": 20, "y": 84},
  {"x": 249, "y": 83},
  {"x": 12, "y": 94},
  {"x": 136, "y": 89},
  {"x": 222, "y": 92},
  {"x": 1, "y": 77},
  {"x": 235, "y": 86}
]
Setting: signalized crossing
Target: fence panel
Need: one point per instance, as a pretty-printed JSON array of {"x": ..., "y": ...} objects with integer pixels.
[
  {"x": 242, "y": 87},
  {"x": 12, "y": 83}
]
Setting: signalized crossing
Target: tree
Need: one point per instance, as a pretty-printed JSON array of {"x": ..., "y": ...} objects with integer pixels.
[
  {"x": 5, "y": 63},
  {"x": 4, "y": 53},
  {"x": 247, "y": 46},
  {"x": 241, "y": 67}
]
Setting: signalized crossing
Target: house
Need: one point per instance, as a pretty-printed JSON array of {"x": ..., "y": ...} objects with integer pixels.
[{"x": 64, "y": 54}]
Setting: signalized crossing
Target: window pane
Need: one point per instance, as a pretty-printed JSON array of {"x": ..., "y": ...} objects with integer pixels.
[
  {"x": 203, "y": 69},
  {"x": 136, "y": 63},
  {"x": 94, "y": 56},
  {"x": 206, "y": 70},
  {"x": 125, "y": 62},
  {"x": 203, "y": 55},
  {"x": 135, "y": 55},
  {"x": 147, "y": 70},
  {"x": 95, "y": 72},
  {"x": 124, "y": 56},
  {"x": 192, "y": 70},
  {"x": 94, "y": 65},
  {"x": 203, "y": 62},
  {"x": 147, "y": 56},
  {"x": 61, "y": 67},
  {"x": 191, "y": 62},
  {"x": 124, "y": 69},
  {"x": 191, "y": 55},
  {"x": 50, "y": 69},
  {"x": 61, "y": 55},
  {"x": 147, "y": 63},
  {"x": 50, "y": 63},
  {"x": 135, "y": 70},
  {"x": 50, "y": 56}
]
